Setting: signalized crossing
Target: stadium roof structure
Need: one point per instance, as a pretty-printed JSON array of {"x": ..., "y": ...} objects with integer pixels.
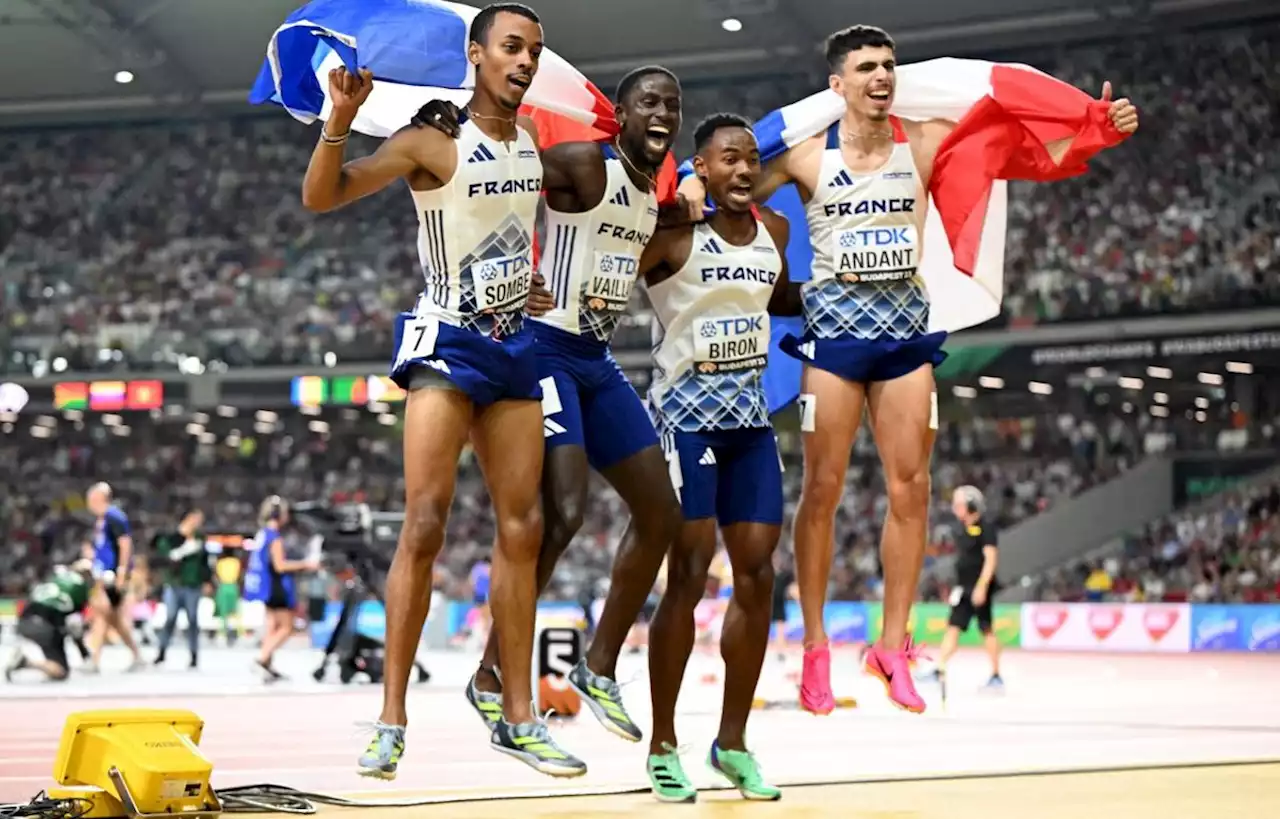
[{"x": 187, "y": 56}]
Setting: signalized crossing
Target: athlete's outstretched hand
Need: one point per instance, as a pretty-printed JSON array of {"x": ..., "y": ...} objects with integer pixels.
[
  {"x": 540, "y": 299},
  {"x": 348, "y": 91},
  {"x": 441, "y": 115},
  {"x": 1123, "y": 114},
  {"x": 694, "y": 194}
]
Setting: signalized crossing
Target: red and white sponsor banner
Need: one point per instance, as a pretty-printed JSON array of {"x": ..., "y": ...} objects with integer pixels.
[{"x": 1163, "y": 627}]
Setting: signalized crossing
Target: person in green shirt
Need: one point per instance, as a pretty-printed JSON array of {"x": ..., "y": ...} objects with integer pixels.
[
  {"x": 186, "y": 566},
  {"x": 51, "y": 614}
]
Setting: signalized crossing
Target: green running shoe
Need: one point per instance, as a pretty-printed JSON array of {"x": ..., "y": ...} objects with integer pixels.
[
  {"x": 531, "y": 743},
  {"x": 487, "y": 704},
  {"x": 604, "y": 697},
  {"x": 382, "y": 757},
  {"x": 743, "y": 772},
  {"x": 667, "y": 777}
]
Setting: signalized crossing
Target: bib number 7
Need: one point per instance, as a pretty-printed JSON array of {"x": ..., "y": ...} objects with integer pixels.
[{"x": 418, "y": 338}]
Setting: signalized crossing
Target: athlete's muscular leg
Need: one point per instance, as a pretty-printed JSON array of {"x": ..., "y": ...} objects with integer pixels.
[
  {"x": 744, "y": 638},
  {"x": 835, "y": 407},
  {"x": 671, "y": 633},
  {"x": 564, "y": 498},
  {"x": 437, "y": 422},
  {"x": 508, "y": 441},
  {"x": 644, "y": 485},
  {"x": 902, "y": 418}
]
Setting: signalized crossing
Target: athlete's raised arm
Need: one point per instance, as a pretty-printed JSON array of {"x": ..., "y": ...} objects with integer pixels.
[
  {"x": 666, "y": 253},
  {"x": 330, "y": 184}
]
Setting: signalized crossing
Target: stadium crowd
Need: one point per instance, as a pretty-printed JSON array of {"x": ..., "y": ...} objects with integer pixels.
[
  {"x": 141, "y": 247},
  {"x": 168, "y": 464},
  {"x": 1224, "y": 550}
]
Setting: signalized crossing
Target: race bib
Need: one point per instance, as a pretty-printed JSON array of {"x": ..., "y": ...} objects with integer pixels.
[
  {"x": 875, "y": 254},
  {"x": 609, "y": 283},
  {"x": 502, "y": 283},
  {"x": 418, "y": 338},
  {"x": 730, "y": 343}
]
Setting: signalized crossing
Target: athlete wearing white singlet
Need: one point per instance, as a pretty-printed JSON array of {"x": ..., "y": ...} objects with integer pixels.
[
  {"x": 712, "y": 286},
  {"x": 590, "y": 266},
  {"x": 866, "y": 310},
  {"x": 475, "y": 244},
  {"x": 465, "y": 357},
  {"x": 865, "y": 342},
  {"x": 601, "y": 211},
  {"x": 711, "y": 339},
  {"x": 711, "y": 344}
]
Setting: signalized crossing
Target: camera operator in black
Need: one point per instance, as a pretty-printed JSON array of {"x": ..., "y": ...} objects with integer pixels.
[{"x": 977, "y": 556}]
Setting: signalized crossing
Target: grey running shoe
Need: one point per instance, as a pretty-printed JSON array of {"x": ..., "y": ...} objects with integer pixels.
[
  {"x": 604, "y": 697},
  {"x": 381, "y": 759}
]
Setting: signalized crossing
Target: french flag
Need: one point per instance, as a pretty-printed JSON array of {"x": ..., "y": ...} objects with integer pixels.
[
  {"x": 1004, "y": 114},
  {"x": 417, "y": 51}
]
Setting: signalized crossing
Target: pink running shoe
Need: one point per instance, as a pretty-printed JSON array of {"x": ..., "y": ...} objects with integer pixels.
[
  {"x": 893, "y": 668},
  {"x": 815, "y": 682}
]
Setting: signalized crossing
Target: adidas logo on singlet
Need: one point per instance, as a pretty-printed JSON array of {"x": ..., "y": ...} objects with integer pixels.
[
  {"x": 551, "y": 428},
  {"x": 481, "y": 154},
  {"x": 842, "y": 180},
  {"x": 711, "y": 246},
  {"x": 621, "y": 198},
  {"x": 708, "y": 458}
]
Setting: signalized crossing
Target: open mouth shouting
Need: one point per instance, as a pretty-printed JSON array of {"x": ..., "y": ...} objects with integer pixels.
[
  {"x": 881, "y": 97},
  {"x": 739, "y": 193},
  {"x": 657, "y": 139}
]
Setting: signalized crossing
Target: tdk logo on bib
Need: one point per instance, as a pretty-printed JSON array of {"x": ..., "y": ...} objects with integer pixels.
[
  {"x": 875, "y": 254},
  {"x": 864, "y": 207},
  {"x": 730, "y": 273},
  {"x": 501, "y": 282},
  {"x": 504, "y": 187},
  {"x": 731, "y": 343},
  {"x": 731, "y": 326},
  {"x": 877, "y": 237}
]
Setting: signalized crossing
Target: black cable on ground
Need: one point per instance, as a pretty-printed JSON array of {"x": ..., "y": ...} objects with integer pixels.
[
  {"x": 283, "y": 799},
  {"x": 45, "y": 808}
]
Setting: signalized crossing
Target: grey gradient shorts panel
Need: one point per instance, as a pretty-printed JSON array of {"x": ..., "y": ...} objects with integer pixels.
[{"x": 423, "y": 377}]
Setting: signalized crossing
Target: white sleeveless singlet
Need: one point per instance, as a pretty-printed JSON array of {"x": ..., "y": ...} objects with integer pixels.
[
  {"x": 711, "y": 335},
  {"x": 592, "y": 258},
  {"x": 866, "y": 248},
  {"x": 475, "y": 234}
]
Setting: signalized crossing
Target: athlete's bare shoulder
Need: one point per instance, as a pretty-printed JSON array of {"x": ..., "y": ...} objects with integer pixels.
[
  {"x": 529, "y": 125},
  {"x": 799, "y": 165},
  {"x": 779, "y": 226},
  {"x": 432, "y": 152},
  {"x": 576, "y": 155}
]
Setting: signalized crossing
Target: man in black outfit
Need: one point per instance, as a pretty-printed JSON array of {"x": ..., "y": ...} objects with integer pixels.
[{"x": 977, "y": 554}]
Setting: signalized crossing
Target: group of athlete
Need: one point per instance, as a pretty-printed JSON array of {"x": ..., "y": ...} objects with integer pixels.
[
  {"x": 99, "y": 582},
  {"x": 516, "y": 362}
]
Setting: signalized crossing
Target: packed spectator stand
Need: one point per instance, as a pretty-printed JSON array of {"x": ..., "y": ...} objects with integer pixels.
[{"x": 133, "y": 248}]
